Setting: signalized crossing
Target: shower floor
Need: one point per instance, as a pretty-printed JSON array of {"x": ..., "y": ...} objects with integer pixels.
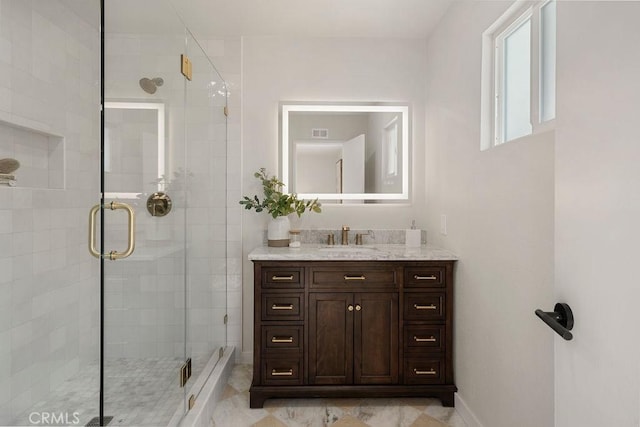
[{"x": 138, "y": 392}]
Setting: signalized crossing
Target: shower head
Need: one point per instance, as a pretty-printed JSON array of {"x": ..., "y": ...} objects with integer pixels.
[{"x": 151, "y": 85}]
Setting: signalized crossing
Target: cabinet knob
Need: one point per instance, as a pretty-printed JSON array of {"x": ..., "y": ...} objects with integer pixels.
[
  {"x": 358, "y": 307},
  {"x": 350, "y": 307}
]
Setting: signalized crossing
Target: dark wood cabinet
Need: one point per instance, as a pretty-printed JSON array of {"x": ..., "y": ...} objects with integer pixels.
[
  {"x": 353, "y": 338},
  {"x": 353, "y": 329}
]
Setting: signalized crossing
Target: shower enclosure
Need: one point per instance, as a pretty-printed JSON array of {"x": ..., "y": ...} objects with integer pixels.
[{"x": 113, "y": 245}]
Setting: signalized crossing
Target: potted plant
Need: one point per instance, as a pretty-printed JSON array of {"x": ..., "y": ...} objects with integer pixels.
[{"x": 279, "y": 205}]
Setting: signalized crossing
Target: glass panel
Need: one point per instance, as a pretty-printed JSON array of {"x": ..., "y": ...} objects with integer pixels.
[
  {"x": 206, "y": 154},
  {"x": 49, "y": 123},
  {"x": 548, "y": 62},
  {"x": 144, "y": 294},
  {"x": 516, "y": 111}
]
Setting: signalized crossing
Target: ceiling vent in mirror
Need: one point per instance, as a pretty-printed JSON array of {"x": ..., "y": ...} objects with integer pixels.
[{"x": 320, "y": 133}]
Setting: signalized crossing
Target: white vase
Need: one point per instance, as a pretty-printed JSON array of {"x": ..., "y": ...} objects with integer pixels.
[{"x": 278, "y": 231}]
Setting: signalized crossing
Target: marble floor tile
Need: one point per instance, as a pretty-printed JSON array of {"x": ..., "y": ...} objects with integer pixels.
[
  {"x": 233, "y": 410},
  {"x": 140, "y": 392}
]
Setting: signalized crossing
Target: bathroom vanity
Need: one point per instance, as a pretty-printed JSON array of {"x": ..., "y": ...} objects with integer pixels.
[{"x": 352, "y": 322}]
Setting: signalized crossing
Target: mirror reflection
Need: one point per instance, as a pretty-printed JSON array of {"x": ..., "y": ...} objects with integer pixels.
[
  {"x": 345, "y": 153},
  {"x": 134, "y": 147}
]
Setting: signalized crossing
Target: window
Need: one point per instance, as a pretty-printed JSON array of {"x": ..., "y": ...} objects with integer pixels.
[{"x": 518, "y": 73}]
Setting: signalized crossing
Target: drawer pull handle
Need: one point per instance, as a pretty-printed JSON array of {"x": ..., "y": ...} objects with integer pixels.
[
  {"x": 429, "y": 372},
  {"x": 425, "y": 307},
  {"x": 282, "y": 307},
  {"x": 361, "y": 277},
  {"x": 281, "y": 340},
  {"x": 430, "y": 339},
  {"x": 277, "y": 373},
  {"x": 282, "y": 278},
  {"x": 432, "y": 277}
]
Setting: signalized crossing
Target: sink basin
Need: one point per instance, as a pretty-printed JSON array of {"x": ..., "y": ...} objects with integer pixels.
[{"x": 348, "y": 249}]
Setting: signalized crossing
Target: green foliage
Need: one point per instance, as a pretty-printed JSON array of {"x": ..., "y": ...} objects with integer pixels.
[{"x": 275, "y": 201}]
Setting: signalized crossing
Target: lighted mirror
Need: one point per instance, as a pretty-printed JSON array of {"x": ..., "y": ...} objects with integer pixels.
[
  {"x": 345, "y": 153},
  {"x": 134, "y": 148}
]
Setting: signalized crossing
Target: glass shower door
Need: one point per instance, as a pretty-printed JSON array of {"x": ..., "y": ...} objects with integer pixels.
[
  {"x": 144, "y": 294},
  {"x": 206, "y": 157}
]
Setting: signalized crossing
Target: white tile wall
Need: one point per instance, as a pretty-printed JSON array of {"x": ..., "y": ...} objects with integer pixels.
[
  {"x": 213, "y": 224},
  {"x": 48, "y": 320},
  {"x": 48, "y": 286}
]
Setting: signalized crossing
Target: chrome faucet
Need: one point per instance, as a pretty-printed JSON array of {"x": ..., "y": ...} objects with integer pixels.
[{"x": 345, "y": 235}]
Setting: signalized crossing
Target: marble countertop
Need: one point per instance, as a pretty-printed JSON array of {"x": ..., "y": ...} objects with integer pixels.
[{"x": 382, "y": 252}]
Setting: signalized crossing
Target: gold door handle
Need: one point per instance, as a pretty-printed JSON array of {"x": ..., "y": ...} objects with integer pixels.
[
  {"x": 350, "y": 307},
  {"x": 425, "y": 307},
  {"x": 361, "y": 277},
  {"x": 282, "y": 307},
  {"x": 92, "y": 231},
  {"x": 432, "y": 277},
  {"x": 277, "y": 373},
  {"x": 281, "y": 340},
  {"x": 131, "y": 233},
  {"x": 281, "y": 278},
  {"x": 420, "y": 372},
  {"x": 358, "y": 307},
  {"x": 430, "y": 339}
]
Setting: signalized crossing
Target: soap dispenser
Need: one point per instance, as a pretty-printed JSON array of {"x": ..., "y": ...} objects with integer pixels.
[{"x": 413, "y": 236}]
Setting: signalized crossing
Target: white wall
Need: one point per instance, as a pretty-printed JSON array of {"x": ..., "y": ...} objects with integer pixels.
[
  {"x": 598, "y": 213},
  {"x": 324, "y": 69},
  {"x": 499, "y": 209}
]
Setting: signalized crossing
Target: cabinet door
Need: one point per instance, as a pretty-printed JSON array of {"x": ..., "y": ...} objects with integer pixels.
[
  {"x": 376, "y": 338},
  {"x": 331, "y": 338}
]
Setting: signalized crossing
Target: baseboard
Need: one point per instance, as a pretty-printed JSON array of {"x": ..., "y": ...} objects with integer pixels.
[{"x": 466, "y": 413}]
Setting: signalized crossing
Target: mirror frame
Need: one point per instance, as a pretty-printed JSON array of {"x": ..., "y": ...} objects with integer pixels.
[{"x": 288, "y": 107}]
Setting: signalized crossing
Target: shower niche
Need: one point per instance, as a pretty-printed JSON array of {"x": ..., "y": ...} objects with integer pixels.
[{"x": 40, "y": 153}]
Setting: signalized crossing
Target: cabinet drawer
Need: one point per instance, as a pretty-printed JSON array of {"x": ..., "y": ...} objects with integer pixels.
[
  {"x": 424, "y": 277},
  {"x": 282, "y": 338},
  {"x": 282, "y": 307},
  {"x": 281, "y": 277},
  {"x": 419, "y": 338},
  {"x": 282, "y": 371},
  {"x": 424, "y": 371},
  {"x": 424, "y": 306},
  {"x": 355, "y": 277}
]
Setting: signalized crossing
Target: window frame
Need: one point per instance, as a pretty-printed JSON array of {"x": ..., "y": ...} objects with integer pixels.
[{"x": 492, "y": 119}]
